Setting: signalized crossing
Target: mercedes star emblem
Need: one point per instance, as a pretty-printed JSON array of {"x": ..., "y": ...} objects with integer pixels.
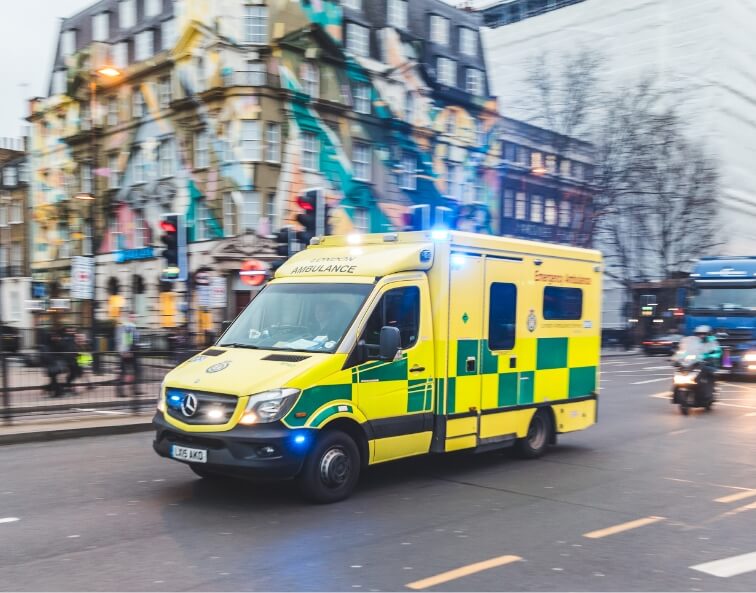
[{"x": 189, "y": 405}]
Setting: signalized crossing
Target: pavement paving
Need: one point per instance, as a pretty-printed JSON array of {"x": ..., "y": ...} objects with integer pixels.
[{"x": 646, "y": 500}]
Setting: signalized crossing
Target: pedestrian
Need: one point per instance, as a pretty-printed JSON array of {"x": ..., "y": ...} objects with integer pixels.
[
  {"x": 84, "y": 358},
  {"x": 70, "y": 358},
  {"x": 50, "y": 357},
  {"x": 127, "y": 337}
]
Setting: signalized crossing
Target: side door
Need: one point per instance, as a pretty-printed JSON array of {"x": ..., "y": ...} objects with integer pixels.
[
  {"x": 464, "y": 365},
  {"x": 397, "y": 396}
]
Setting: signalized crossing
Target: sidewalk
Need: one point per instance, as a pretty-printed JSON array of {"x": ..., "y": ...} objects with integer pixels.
[{"x": 31, "y": 430}]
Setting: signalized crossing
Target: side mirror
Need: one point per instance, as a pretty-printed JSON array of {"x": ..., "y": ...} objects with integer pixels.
[
  {"x": 391, "y": 340},
  {"x": 224, "y": 326}
]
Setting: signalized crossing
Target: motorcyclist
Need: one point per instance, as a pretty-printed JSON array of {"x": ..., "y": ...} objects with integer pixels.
[{"x": 711, "y": 357}]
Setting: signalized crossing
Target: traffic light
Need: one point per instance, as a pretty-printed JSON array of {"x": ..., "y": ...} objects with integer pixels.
[
  {"x": 174, "y": 254},
  {"x": 314, "y": 215},
  {"x": 283, "y": 241}
]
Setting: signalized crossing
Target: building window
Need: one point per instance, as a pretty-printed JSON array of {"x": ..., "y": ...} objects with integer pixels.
[
  {"x": 397, "y": 14},
  {"x": 23, "y": 172},
  {"x": 358, "y": 39},
  {"x": 550, "y": 212},
  {"x": 137, "y": 106},
  {"x": 454, "y": 181},
  {"x": 536, "y": 208},
  {"x": 86, "y": 179},
  {"x": 255, "y": 74},
  {"x": 409, "y": 107},
  {"x": 310, "y": 76},
  {"x": 273, "y": 143},
  {"x": 563, "y": 304},
  {"x": 127, "y": 13},
  {"x": 362, "y": 160},
  {"x": 68, "y": 43},
  {"x": 121, "y": 54},
  {"x": 59, "y": 82},
  {"x": 551, "y": 166},
  {"x": 229, "y": 215},
  {"x": 256, "y": 24},
  {"x": 521, "y": 206},
  {"x": 565, "y": 213},
  {"x": 270, "y": 208},
  {"x": 139, "y": 166},
  {"x": 3, "y": 215},
  {"x": 474, "y": 81},
  {"x": 361, "y": 220},
  {"x": 203, "y": 221},
  {"x": 362, "y": 100},
  {"x": 353, "y": 4},
  {"x": 10, "y": 176},
  {"x": 508, "y": 206},
  {"x": 112, "y": 111},
  {"x": 251, "y": 149},
  {"x": 564, "y": 167},
  {"x": 310, "y": 151},
  {"x": 168, "y": 34},
  {"x": 16, "y": 212},
  {"x": 408, "y": 176},
  {"x": 502, "y": 316},
  {"x": 166, "y": 157},
  {"x": 510, "y": 152},
  {"x": 145, "y": 45},
  {"x": 536, "y": 161},
  {"x": 523, "y": 156},
  {"x": 101, "y": 27},
  {"x": 201, "y": 152},
  {"x": 439, "y": 29},
  {"x": 480, "y": 134},
  {"x": 446, "y": 71},
  {"x": 577, "y": 170},
  {"x": 164, "y": 92},
  {"x": 468, "y": 41},
  {"x": 114, "y": 174},
  {"x": 141, "y": 231},
  {"x": 152, "y": 7},
  {"x": 250, "y": 210},
  {"x": 17, "y": 256}
]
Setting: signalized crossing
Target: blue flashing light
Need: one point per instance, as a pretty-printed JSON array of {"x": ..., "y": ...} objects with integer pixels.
[
  {"x": 439, "y": 234},
  {"x": 300, "y": 439},
  {"x": 458, "y": 260}
]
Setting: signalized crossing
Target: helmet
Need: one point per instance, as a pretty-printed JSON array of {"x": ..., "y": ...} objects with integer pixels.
[{"x": 702, "y": 329}]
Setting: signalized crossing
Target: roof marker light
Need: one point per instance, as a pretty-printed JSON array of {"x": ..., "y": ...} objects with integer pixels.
[
  {"x": 354, "y": 239},
  {"x": 457, "y": 260},
  {"x": 440, "y": 235}
]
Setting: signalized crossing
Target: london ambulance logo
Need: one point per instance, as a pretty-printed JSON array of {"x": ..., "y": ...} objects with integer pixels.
[
  {"x": 218, "y": 367},
  {"x": 531, "y": 321}
]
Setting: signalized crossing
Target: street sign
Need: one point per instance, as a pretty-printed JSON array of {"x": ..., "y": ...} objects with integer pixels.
[
  {"x": 218, "y": 298},
  {"x": 253, "y": 272},
  {"x": 82, "y": 277}
]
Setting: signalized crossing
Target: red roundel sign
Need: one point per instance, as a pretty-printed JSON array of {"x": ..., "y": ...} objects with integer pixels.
[{"x": 253, "y": 272}]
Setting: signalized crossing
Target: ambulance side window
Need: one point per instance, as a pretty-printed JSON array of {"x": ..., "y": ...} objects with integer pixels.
[
  {"x": 562, "y": 303},
  {"x": 400, "y": 308},
  {"x": 502, "y": 316}
]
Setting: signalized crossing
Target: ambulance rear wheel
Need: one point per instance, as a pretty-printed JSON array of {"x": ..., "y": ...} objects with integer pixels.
[
  {"x": 332, "y": 468},
  {"x": 534, "y": 444}
]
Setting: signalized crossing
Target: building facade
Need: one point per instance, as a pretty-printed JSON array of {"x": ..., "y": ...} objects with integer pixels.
[
  {"x": 14, "y": 268},
  {"x": 224, "y": 111}
]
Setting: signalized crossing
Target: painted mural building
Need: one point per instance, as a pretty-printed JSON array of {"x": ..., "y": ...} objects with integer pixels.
[{"x": 226, "y": 110}]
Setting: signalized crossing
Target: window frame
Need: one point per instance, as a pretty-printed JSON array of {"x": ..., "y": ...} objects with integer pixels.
[
  {"x": 143, "y": 50},
  {"x": 153, "y": 8},
  {"x": 101, "y": 26},
  {"x": 165, "y": 91},
  {"x": 201, "y": 149},
  {"x": 127, "y": 23},
  {"x": 437, "y": 20},
  {"x": 251, "y": 146},
  {"x": 474, "y": 82},
  {"x": 496, "y": 308},
  {"x": 397, "y": 14},
  {"x": 166, "y": 158},
  {"x": 230, "y": 215},
  {"x": 468, "y": 42},
  {"x": 363, "y": 104},
  {"x": 407, "y": 178},
  {"x": 251, "y": 210},
  {"x": 362, "y": 164},
  {"x": 255, "y": 24},
  {"x": 442, "y": 62},
  {"x": 310, "y": 154},
  {"x": 272, "y": 142},
  {"x": 309, "y": 77},
  {"x": 361, "y": 47}
]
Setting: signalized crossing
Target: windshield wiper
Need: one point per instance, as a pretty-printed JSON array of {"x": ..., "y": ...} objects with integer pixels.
[{"x": 237, "y": 345}]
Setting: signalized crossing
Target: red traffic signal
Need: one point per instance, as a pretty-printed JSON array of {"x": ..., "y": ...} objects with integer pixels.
[
  {"x": 167, "y": 226},
  {"x": 307, "y": 201}
]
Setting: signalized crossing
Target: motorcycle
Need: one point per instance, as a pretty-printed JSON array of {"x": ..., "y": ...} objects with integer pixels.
[{"x": 693, "y": 382}]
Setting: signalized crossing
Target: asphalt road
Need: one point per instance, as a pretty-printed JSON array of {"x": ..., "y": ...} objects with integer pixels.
[{"x": 631, "y": 504}]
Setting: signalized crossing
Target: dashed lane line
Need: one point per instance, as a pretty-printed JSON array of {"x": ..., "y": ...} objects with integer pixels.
[
  {"x": 614, "y": 529},
  {"x": 736, "y": 497},
  {"x": 666, "y": 378},
  {"x": 462, "y": 571},
  {"x": 9, "y": 519},
  {"x": 729, "y": 567}
]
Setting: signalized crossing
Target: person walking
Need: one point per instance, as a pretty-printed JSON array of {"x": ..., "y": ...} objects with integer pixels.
[{"x": 127, "y": 337}]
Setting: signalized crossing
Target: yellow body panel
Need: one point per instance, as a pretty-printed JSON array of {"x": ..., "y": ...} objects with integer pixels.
[
  {"x": 514, "y": 422},
  {"x": 461, "y": 426},
  {"x": 575, "y": 416},
  {"x": 391, "y": 448}
]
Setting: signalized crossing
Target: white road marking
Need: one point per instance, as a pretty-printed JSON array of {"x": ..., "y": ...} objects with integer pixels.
[
  {"x": 106, "y": 412},
  {"x": 751, "y": 414},
  {"x": 650, "y": 381},
  {"x": 729, "y": 567},
  {"x": 736, "y": 497},
  {"x": 9, "y": 519},
  {"x": 622, "y": 527}
]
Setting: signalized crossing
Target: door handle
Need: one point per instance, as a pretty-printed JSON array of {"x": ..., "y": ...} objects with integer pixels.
[
  {"x": 417, "y": 369},
  {"x": 470, "y": 364}
]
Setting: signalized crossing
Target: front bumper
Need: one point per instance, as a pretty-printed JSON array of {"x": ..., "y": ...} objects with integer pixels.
[{"x": 239, "y": 451}]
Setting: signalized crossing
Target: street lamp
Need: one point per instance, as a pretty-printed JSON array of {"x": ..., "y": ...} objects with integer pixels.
[{"x": 105, "y": 72}]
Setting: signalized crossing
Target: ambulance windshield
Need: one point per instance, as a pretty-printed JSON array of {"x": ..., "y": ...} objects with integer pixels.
[{"x": 300, "y": 317}]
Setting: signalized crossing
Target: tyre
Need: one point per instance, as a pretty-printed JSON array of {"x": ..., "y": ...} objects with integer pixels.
[
  {"x": 537, "y": 440},
  {"x": 331, "y": 469}
]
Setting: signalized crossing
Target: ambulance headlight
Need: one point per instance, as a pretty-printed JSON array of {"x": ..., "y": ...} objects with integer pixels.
[
  {"x": 161, "y": 398},
  {"x": 269, "y": 406}
]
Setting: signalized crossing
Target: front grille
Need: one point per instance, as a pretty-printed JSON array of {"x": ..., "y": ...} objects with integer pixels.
[
  {"x": 207, "y": 408},
  {"x": 190, "y": 439}
]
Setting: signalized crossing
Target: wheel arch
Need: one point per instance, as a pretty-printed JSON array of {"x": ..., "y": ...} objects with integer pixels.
[{"x": 355, "y": 430}]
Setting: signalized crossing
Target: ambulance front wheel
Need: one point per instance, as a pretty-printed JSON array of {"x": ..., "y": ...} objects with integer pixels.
[
  {"x": 539, "y": 435},
  {"x": 331, "y": 469}
]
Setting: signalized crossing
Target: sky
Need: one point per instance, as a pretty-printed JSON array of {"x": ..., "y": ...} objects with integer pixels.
[{"x": 28, "y": 33}]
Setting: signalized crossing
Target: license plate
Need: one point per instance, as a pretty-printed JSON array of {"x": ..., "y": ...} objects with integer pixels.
[{"x": 187, "y": 454}]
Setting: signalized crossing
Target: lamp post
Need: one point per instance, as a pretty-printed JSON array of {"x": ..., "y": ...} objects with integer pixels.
[{"x": 91, "y": 197}]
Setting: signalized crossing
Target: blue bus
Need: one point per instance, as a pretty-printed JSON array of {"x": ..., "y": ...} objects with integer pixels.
[{"x": 723, "y": 296}]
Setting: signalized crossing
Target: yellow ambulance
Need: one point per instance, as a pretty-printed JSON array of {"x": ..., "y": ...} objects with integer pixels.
[{"x": 370, "y": 348}]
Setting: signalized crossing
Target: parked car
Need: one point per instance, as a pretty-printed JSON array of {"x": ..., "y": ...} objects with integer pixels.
[
  {"x": 666, "y": 344},
  {"x": 11, "y": 339}
]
